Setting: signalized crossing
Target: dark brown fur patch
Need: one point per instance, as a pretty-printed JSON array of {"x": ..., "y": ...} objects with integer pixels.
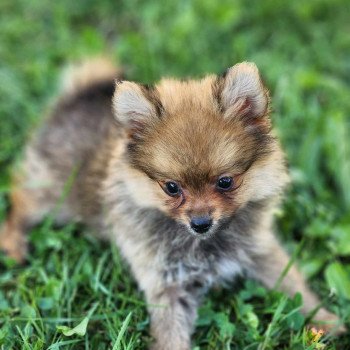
[
  {"x": 99, "y": 89},
  {"x": 151, "y": 94},
  {"x": 217, "y": 87}
]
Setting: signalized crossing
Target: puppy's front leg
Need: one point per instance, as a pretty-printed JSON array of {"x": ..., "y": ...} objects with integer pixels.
[
  {"x": 172, "y": 304},
  {"x": 268, "y": 260},
  {"x": 173, "y": 311}
]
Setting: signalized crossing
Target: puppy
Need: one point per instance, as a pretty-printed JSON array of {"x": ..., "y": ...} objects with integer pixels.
[{"x": 183, "y": 176}]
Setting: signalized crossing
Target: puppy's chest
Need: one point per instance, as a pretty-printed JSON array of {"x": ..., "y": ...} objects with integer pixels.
[
  {"x": 180, "y": 257},
  {"x": 201, "y": 270}
]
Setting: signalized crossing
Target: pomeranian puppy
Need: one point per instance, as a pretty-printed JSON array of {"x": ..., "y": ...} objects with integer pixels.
[{"x": 183, "y": 176}]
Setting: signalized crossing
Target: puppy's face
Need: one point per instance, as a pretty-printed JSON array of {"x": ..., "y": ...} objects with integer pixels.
[{"x": 200, "y": 150}]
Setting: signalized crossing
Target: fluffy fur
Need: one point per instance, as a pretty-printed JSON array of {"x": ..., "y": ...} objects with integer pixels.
[{"x": 124, "y": 152}]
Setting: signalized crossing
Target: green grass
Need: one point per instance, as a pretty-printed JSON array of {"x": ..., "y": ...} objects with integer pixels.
[{"x": 303, "y": 51}]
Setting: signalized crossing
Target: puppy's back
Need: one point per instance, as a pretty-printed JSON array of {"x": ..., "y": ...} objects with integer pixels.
[
  {"x": 81, "y": 118},
  {"x": 73, "y": 140}
]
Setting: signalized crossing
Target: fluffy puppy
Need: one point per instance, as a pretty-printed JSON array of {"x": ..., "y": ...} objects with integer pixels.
[{"x": 183, "y": 176}]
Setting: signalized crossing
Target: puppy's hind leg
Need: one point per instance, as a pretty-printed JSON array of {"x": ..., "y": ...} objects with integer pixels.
[
  {"x": 33, "y": 195},
  {"x": 13, "y": 240},
  {"x": 270, "y": 261}
]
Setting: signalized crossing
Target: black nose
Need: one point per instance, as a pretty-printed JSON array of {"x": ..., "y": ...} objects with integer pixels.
[{"x": 201, "y": 224}]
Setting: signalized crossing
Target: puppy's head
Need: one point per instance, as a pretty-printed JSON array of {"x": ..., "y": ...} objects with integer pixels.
[{"x": 200, "y": 149}]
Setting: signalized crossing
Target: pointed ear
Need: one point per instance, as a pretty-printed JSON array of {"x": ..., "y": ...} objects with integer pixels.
[
  {"x": 243, "y": 93},
  {"x": 135, "y": 106}
]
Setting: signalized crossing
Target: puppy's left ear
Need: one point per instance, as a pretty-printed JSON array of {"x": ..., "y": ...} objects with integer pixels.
[
  {"x": 135, "y": 107},
  {"x": 243, "y": 94}
]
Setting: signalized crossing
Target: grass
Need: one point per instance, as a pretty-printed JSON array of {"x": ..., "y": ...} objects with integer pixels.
[{"x": 77, "y": 293}]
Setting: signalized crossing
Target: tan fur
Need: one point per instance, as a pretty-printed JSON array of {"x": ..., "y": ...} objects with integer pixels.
[
  {"x": 190, "y": 132},
  {"x": 81, "y": 75},
  {"x": 12, "y": 240}
]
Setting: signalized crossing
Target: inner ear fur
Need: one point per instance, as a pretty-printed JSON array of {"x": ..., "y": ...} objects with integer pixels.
[
  {"x": 243, "y": 95},
  {"x": 135, "y": 106}
]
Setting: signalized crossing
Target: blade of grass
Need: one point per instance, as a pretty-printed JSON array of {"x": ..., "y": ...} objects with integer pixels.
[{"x": 117, "y": 344}]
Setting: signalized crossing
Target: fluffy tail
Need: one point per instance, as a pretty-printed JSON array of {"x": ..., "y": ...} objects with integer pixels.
[{"x": 79, "y": 76}]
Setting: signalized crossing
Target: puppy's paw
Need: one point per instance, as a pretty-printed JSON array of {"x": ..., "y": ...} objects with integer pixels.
[
  {"x": 13, "y": 244},
  {"x": 328, "y": 322},
  {"x": 170, "y": 345}
]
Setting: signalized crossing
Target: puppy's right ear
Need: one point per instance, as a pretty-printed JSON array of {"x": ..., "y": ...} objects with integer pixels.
[
  {"x": 135, "y": 106},
  {"x": 243, "y": 94}
]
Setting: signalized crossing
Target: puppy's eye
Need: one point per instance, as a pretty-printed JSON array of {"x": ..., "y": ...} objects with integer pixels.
[
  {"x": 172, "y": 188},
  {"x": 225, "y": 183}
]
